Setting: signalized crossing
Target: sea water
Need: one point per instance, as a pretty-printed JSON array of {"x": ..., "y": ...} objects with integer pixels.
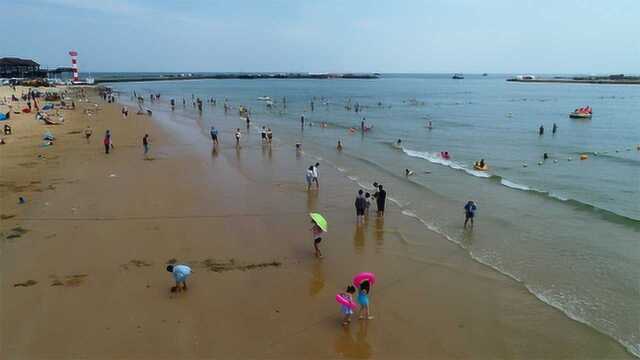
[{"x": 568, "y": 229}]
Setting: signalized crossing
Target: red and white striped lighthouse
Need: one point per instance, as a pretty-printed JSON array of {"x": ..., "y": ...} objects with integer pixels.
[{"x": 74, "y": 64}]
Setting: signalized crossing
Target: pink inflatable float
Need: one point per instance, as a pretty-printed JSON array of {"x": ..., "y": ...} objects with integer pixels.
[
  {"x": 364, "y": 276},
  {"x": 343, "y": 300}
]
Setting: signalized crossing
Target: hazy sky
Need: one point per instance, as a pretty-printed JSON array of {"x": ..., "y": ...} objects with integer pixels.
[{"x": 517, "y": 36}]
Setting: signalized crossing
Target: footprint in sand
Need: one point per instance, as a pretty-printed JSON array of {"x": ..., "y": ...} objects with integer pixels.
[
  {"x": 136, "y": 263},
  {"x": 17, "y": 232},
  {"x": 74, "y": 280},
  {"x": 26, "y": 283}
]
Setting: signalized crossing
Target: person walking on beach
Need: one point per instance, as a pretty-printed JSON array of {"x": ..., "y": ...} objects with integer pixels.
[
  {"x": 315, "y": 175},
  {"x": 346, "y": 310},
  {"x": 309, "y": 177},
  {"x": 87, "y": 133},
  {"x": 316, "y": 233},
  {"x": 145, "y": 144},
  {"x": 214, "y": 135},
  {"x": 381, "y": 197},
  {"x": 360, "y": 205},
  {"x": 541, "y": 130},
  {"x": 269, "y": 136},
  {"x": 363, "y": 300},
  {"x": 263, "y": 135},
  {"x": 180, "y": 274},
  {"x": 469, "y": 212},
  {"x": 107, "y": 141},
  {"x": 238, "y": 136}
]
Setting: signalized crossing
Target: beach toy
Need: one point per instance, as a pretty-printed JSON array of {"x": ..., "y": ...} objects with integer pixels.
[
  {"x": 343, "y": 300},
  {"x": 320, "y": 221},
  {"x": 583, "y": 157},
  {"x": 364, "y": 276}
]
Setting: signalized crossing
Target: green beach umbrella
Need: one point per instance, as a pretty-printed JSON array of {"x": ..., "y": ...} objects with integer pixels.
[{"x": 320, "y": 220}]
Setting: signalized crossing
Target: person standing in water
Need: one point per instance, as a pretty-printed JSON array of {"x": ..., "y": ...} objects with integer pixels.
[
  {"x": 469, "y": 212},
  {"x": 362, "y": 125},
  {"x": 381, "y": 198},
  {"x": 302, "y": 120},
  {"x": 214, "y": 135},
  {"x": 315, "y": 175},
  {"x": 360, "y": 205},
  {"x": 541, "y": 130},
  {"x": 238, "y": 135},
  {"x": 554, "y": 129}
]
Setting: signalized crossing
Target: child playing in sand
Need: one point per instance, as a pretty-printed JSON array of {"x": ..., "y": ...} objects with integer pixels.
[
  {"x": 180, "y": 274},
  {"x": 346, "y": 310},
  {"x": 363, "y": 300},
  {"x": 316, "y": 233}
]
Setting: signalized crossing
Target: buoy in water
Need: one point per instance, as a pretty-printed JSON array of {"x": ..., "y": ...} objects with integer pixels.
[
  {"x": 539, "y": 162},
  {"x": 555, "y": 161},
  {"x": 569, "y": 159}
]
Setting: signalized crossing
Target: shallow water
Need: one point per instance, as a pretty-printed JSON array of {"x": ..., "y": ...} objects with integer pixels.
[{"x": 567, "y": 228}]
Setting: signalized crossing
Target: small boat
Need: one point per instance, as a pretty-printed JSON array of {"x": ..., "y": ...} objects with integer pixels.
[
  {"x": 264, "y": 98},
  {"x": 580, "y": 115},
  {"x": 484, "y": 74},
  {"x": 457, "y": 76}
]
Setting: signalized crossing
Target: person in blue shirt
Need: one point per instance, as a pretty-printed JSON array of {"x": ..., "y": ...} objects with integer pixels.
[
  {"x": 470, "y": 212},
  {"x": 214, "y": 135},
  {"x": 180, "y": 274}
]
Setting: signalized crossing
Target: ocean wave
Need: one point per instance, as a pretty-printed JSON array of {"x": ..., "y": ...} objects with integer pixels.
[
  {"x": 437, "y": 159},
  {"x": 577, "y": 204}
]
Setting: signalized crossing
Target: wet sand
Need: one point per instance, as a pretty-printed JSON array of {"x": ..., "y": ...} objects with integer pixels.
[{"x": 83, "y": 260}]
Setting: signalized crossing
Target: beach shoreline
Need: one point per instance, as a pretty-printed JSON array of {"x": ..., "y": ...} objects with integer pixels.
[{"x": 106, "y": 240}]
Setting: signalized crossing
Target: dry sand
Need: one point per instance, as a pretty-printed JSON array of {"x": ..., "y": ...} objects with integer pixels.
[{"x": 83, "y": 261}]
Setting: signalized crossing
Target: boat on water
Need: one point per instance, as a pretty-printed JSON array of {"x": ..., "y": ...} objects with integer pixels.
[
  {"x": 582, "y": 113},
  {"x": 457, "y": 76},
  {"x": 264, "y": 98},
  {"x": 484, "y": 74}
]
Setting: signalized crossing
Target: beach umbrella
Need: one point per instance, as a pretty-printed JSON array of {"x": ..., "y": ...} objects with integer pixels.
[{"x": 320, "y": 221}]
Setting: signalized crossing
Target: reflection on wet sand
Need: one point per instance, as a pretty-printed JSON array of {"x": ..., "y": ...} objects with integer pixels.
[
  {"x": 312, "y": 200},
  {"x": 346, "y": 346},
  {"x": 358, "y": 239},
  {"x": 379, "y": 232},
  {"x": 316, "y": 284}
]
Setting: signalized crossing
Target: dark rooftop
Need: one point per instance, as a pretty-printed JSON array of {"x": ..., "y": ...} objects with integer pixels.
[{"x": 9, "y": 61}]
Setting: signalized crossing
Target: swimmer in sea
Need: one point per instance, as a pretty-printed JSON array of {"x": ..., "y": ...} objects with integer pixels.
[
  {"x": 399, "y": 143},
  {"x": 339, "y": 146},
  {"x": 408, "y": 172}
]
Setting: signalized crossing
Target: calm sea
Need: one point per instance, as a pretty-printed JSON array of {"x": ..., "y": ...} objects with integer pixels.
[{"x": 568, "y": 229}]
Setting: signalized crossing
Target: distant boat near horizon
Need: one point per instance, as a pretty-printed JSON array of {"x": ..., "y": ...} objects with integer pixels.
[
  {"x": 457, "y": 76},
  {"x": 484, "y": 74}
]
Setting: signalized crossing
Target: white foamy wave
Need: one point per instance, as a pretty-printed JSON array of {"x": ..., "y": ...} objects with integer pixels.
[
  {"x": 397, "y": 202},
  {"x": 513, "y": 185},
  {"x": 559, "y": 197},
  {"x": 437, "y": 159},
  {"x": 341, "y": 169},
  {"x": 430, "y": 226},
  {"x": 352, "y": 178}
]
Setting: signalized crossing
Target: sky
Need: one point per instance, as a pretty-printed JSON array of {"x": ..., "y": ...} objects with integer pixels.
[{"x": 410, "y": 36}]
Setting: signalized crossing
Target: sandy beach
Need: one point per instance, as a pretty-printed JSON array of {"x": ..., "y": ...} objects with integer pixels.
[{"x": 83, "y": 261}]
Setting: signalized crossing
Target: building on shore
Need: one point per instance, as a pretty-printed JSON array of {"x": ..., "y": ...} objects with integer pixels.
[{"x": 20, "y": 68}]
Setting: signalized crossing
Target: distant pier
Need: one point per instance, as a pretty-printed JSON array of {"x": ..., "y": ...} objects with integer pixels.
[
  {"x": 610, "y": 79},
  {"x": 242, "y": 76}
]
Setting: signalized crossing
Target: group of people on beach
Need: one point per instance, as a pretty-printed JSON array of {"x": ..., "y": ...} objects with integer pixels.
[{"x": 363, "y": 202}]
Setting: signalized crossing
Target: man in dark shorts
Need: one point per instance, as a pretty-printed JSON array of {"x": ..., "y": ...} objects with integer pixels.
[
  {"x": 381, "y": 197},
  {"x": 214, "y": 135},
  {"x": 469, "y": 212}
]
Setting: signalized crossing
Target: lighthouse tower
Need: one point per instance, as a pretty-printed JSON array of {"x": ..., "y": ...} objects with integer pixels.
[{"x": 74, "y": 64}]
